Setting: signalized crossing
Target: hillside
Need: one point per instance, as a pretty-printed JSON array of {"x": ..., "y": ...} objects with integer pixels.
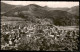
[
  {"x": 74, "y": 10},
  {"x": 63, "y": 18},
  {"x": 35, "y": 12},
  {"x": 6, "y": 7},
  {"x": 49, "y": 8}
]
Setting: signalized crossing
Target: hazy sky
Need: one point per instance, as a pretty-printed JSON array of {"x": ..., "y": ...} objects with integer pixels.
[{"x": 53, "y": 4}]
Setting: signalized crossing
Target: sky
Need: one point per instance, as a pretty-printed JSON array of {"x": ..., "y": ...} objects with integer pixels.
[{"x": 53, "y": 4}]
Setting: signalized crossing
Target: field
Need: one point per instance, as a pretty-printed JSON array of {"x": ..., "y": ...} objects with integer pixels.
[{"x": 21, "y": 35}]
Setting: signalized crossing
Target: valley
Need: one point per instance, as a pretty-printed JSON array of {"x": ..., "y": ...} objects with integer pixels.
[{"x": 33, "y": 27}]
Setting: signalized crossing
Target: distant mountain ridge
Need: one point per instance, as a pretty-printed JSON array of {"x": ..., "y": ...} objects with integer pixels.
[
  {"x": 74, "y": 10},
  {"x": 49, "y": 9},
  {"x": 5, "y": 7},
  {"x": 34, "y": 12}
]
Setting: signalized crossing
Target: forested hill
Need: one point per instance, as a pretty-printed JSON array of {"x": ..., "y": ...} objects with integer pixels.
[{"x": 34, "y": 12}]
